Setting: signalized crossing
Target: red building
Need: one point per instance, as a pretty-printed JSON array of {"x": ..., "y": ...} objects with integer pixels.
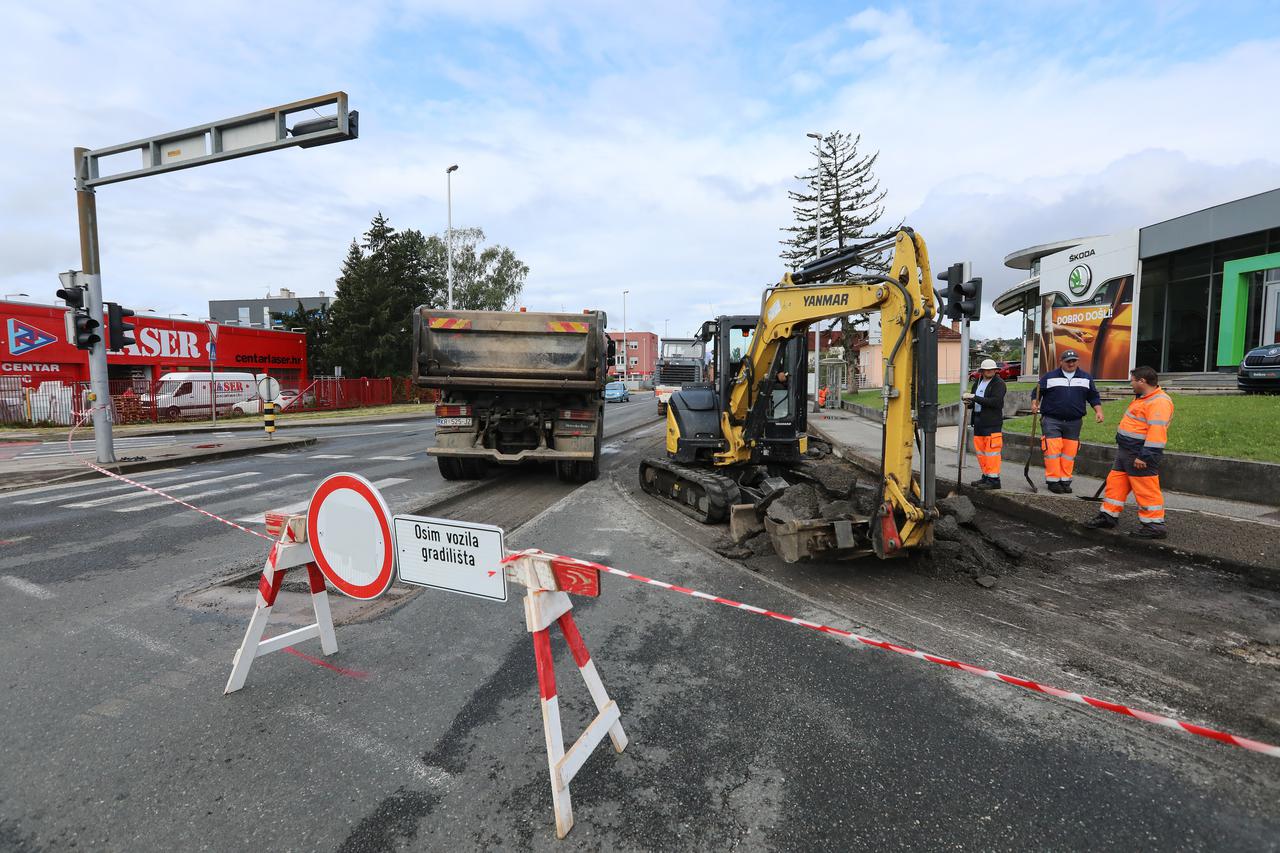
[
  {"x": 34, "y": 349},
  {"x": 641, "y": 354}
]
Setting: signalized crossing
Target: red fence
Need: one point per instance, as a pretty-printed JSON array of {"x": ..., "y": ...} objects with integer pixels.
[{"x": 139, "y": 401}]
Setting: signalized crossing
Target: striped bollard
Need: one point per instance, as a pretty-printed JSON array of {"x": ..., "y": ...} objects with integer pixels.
[
  {"x": 269, "y": 418},
  {"x": 548, "y": 578}
]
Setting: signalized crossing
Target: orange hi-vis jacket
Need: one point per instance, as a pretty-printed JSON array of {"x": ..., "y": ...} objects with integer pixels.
[{"x": 1144, "y": 429}]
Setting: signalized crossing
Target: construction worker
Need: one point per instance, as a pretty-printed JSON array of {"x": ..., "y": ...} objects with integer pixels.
[
  {"x": 1061, "y": 401},
  {"x": 1140, "y": 441},
  {"x": 986, "y": 397},
  {"x": 822, "y": 396}
]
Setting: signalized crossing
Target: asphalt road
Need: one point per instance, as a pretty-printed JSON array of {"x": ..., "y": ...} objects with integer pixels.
[{"x": 744, "y": 731}]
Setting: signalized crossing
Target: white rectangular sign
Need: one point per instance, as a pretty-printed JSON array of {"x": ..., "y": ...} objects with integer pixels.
[{"x": 457, "y": 556}]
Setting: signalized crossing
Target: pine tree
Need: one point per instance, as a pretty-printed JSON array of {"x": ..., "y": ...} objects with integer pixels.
[{"x": 850, "y": 212}]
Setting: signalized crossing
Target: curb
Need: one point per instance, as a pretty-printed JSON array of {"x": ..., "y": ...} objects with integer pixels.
[
  {"x": 146, "y": 465},
  {"x": 1262, "y": 573}
]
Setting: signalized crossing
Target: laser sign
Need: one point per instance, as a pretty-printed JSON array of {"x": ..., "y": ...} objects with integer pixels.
[{"x": 457, "y": 556}]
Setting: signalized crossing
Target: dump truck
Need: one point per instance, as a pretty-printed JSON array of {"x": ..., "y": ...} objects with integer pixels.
[
  {"x": 680, "y": 363},
  {"x": 516, "y": 386}
]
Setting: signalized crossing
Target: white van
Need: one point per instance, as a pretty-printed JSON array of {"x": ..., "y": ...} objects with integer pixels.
[{"x": 187, "y": 394}]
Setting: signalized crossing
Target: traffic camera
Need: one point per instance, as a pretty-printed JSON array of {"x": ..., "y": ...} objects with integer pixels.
[{"x": 118, "y": 331}]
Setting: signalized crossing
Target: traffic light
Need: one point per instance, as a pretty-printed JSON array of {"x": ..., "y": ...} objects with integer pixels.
[
  {"x": 967, "y": 297},
  {"x": 962, "y": 296},
  {"x": 950, "y": 308},
  {"x": 118, "y": 330},
  {"x": 83, "y": 329}
]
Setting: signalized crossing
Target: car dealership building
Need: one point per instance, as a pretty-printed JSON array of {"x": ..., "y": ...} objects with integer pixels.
[{"x": 1186, "y": 296}]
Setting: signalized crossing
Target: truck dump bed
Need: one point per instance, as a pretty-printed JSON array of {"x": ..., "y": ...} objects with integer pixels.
[{"x": 515, "y": 350}]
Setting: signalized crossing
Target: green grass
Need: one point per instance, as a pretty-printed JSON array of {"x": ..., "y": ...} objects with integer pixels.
[
  {"x": 1237, "y": 427},
  {"x": 946, "y": 394}
]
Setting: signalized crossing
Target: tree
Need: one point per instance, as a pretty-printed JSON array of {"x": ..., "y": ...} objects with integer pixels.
[
  {"x": 315, "y": 322},
  {"x": 850, "y": 211},
  {"x": 390, "y": 273}
]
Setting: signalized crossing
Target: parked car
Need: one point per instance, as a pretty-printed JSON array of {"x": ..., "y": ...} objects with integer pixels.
[
  {"x": 187, "y": 393},
  {"x": 1007, "y": 370},
  {"x": 1260, "y": 370},
  {"x": 616, "y": 392},
  {"x": 287, "y": 400}
]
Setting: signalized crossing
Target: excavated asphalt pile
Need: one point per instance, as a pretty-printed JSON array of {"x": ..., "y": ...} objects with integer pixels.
[{"x": 964, "y": 547}]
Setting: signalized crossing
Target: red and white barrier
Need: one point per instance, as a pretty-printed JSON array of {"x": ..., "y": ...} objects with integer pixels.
[
  {"x": 290, "y": 551},
  {"x": 572, "y": 563},
  {"x": 547, "y": 579}
]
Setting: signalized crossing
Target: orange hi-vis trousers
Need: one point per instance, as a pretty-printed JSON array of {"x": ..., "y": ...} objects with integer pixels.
[
  {"x": 988, "y": 448},
  {"x": 1146, "y": 492},
  {"x": 1059, "y": 458}
]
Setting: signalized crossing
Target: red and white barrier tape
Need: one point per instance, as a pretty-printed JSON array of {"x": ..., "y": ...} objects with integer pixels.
[
  {"x": 155, "y": 491},
  {"x": 1114, "y": 707}
]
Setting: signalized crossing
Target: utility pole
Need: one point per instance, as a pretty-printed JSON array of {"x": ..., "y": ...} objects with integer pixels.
[
  {"x": 99, "y": 387},
  {"x": 448, "y": 175},
  {"x": 626, "y": 354}
]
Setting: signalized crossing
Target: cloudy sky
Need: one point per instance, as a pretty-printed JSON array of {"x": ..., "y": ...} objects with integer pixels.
[{"x": 646, "y": 147}]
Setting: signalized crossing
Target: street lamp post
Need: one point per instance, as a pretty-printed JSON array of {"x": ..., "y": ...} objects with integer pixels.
[
  {"x": 817, "y": 253},
  {"x": 665, "y": 324},
  {"x": 448, "y": 176},
  {"x": 626, "y": 353}
]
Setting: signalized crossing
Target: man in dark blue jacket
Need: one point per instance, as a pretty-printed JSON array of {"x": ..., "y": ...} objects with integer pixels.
[{"x": 1062, "y": 399}]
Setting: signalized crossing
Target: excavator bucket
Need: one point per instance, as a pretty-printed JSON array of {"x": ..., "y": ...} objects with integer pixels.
[{"x": 819, "y": 538}]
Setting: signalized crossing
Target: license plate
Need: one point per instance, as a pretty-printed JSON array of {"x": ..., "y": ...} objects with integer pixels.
[
  {"x": 1265, "y": 374},
  {"x": 453, "y": 421}
]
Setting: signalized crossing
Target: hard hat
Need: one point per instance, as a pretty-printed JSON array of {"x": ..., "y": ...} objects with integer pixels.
[{"x": 988, "y": 364}]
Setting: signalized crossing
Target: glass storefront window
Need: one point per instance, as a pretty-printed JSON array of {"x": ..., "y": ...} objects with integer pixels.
[
  {"x": 1187, "y": 325},
  {"x": 1151, "y": 299}
]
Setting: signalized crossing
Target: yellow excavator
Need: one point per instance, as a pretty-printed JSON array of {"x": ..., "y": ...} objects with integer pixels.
[{"x": 736, "y": 443}]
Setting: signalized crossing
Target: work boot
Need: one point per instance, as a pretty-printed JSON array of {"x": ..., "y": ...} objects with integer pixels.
[
  {"x": 1102, "y": 521},
  {"x": 1149, "y": 531},
  {"x": 1064, "y": 488},
  {"x": 989, "y": 484},
  {"x": 1054, "y": 487},
  {"x": 977, "y": 484}
]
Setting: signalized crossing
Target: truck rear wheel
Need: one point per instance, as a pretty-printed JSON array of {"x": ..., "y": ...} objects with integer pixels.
[
  {"x": 473, "y": 469},
  {"x": 450, "y": 468},
  {"x": 566, "y": 472}
]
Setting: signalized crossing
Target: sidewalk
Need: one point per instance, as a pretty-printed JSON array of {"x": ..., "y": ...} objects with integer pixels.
[
  {"x": 65, "y": 467},
  {"x": 1243, "y": 535},
  {"x": 246, "y": 424}
]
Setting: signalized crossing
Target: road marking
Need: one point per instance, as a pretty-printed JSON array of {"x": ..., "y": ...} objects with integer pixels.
[
  {"x": 274, "y": 455},
  {"x": 330, "y": 456},
  {"x": 78, "y": 484},
  {"x": 32, "y": 589},
  {"x": 295, "y": 508},
  {"x": 371, "y": 746},
  {"x": 179, "y": 487},
  {"x": 148, "y": 642},
  {"x": 205, "y": 494},
  {"x": 97, "y": 488},
  {"x": 14, "y": 541},
  {"x": 390, "y": 458}
]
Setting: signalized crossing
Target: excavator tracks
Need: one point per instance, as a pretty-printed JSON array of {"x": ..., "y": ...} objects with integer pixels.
[{"x": 703, "y": 494}]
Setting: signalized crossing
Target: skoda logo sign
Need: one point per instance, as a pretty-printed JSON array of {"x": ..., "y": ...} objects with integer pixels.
[{"x": 1079, "y": 280}]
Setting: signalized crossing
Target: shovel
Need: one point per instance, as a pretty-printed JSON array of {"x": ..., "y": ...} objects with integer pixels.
[
  {"x": 1097, "y": 496},
  {"x": 1026, "y": 469},
  {"x": 964, "y": 446}
]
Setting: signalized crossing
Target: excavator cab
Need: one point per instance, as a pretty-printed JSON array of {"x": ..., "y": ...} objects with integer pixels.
[{"x": 695, "y": 413}]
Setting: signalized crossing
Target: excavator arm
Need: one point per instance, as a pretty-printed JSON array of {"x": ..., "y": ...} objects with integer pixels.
[{"x": 906, "y": 305}]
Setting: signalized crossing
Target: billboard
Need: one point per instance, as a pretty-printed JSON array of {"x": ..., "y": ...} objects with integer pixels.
[{"x": 1087, "y": 304}]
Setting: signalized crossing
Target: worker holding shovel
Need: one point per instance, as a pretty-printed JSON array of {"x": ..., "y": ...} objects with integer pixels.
[{"x": 986, "y": 396}]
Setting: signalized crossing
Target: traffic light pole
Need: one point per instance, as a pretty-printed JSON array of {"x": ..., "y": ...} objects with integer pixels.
[{"x": 87, "y": 214}]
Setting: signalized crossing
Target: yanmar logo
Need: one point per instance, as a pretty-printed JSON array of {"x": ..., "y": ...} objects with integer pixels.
[
  {"x": 826, "y": 299},
  {"x": 1080, "y": 255}
]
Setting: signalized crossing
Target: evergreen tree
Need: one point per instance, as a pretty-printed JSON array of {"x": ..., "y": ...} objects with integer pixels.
[
  {"x": 390, "y": 273},
  {"x": 315, "y": 322},
  {"x": 850, "y": 212}
]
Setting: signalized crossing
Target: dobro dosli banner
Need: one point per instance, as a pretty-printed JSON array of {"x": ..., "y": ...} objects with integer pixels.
[{"x": 1087, "y": 304}]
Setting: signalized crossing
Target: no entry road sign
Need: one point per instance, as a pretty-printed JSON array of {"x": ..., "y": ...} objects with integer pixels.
[
  {"x": 349, "y": 529},
  {"x": 453, "y": 555}
]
